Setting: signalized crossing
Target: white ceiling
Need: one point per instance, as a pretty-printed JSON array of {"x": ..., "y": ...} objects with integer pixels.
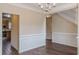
[{"x": 35, "y": 7}]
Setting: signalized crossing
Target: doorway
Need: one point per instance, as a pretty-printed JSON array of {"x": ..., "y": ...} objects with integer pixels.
[
  {"x": 10, "y": 34},
  {"x": 48, "y": 32}
]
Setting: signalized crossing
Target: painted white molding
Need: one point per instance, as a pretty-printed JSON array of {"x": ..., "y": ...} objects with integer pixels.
[
  {"x": 24, "y": 36},
  {"x": 65, "y": 38},
  {"x": 65, "y": 33},
  {"x": 28, "y": 42}
]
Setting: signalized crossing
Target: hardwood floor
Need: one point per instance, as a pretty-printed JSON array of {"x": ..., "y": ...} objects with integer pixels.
[
  {"x": 7, "y": 49},
  {"x": 49, "y": 49},
  {"x": 52, "y": 49}
]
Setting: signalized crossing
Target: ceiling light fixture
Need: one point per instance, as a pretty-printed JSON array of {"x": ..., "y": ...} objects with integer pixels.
[{"x": 47, "y": 6}]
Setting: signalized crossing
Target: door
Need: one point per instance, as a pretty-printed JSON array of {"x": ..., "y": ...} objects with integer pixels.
[{"x": 15, "y": 32}]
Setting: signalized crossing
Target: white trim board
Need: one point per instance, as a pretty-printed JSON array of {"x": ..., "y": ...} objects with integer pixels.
[{"x": 64, "y": 33}]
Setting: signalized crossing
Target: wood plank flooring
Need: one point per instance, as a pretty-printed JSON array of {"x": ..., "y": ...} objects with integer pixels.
[
  {"x": 49, "y": 49},
  {"x": 7, "y": 49},
  {"x": 6, "y": 46},
  {"x": 52, "y": 49}
]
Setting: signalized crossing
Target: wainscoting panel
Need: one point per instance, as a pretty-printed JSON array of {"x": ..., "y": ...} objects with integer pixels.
[
  {"x": 28, "y": 42},
  {"x": 65, "y": 38}
]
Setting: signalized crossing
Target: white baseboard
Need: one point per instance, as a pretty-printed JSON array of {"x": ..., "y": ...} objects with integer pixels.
[
  {"x": 28, "y": 42},
  {"x": 65, "y": 38}
]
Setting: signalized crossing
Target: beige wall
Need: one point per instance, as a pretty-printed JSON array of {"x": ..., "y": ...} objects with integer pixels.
[
  {"x": 60, "y": 24},
  {"x": 63, "y": 31},
  {"x": 31, "y": 22}
]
